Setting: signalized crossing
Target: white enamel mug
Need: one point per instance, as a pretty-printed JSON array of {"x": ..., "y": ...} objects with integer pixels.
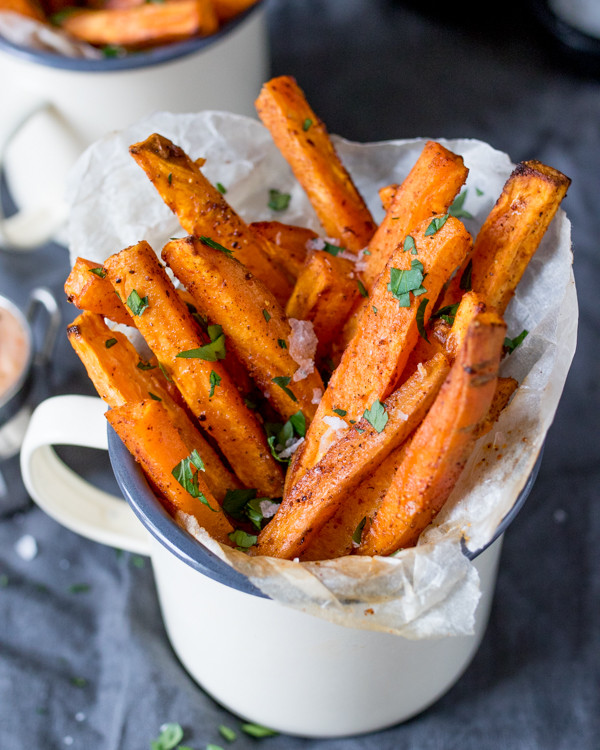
[
  {"x": 55, "y": 106},
  {"x": 312, "y": 678}
]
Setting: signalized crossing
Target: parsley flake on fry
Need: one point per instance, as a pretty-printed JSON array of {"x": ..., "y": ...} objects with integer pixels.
[
  {"x": 136, "y": 304},
  {"x": 215, "y": 245},
  {"x": 98, "y": 272},
  {"x": 465, "y": 279},
  {"x": 266, "y": 315},
  {"x": 110, "y": 343},
  {"x": 402, "y": 282},
  {"x": 436, "y": 224},
  {"x": 376, "y": 416},
  {"x": 188, "y": 478},
  {"x": 447, "y": 313},
  {"x": 410, "y": 245},
  {"x": 420, "y": 317},
  {"x": 361, "y": 288},
  {"x": 332, "y": 249},
  {"x": 214, "y": 381},
  {"x": 208, "y": 352},
  {"x": 306, "y": 124},
  {"x": 242, "y": 539},
  {"x": 283, "y": 381}
]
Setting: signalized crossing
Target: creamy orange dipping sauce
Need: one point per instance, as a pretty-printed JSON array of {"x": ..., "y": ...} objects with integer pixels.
[{"x": 14, "y": 350}]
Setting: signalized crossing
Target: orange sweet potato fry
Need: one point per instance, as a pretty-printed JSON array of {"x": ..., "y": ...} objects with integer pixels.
[
  {"x": 510, "y": 235},
  {"x": 28, "y": 8},
  {"x": 253, "y": 322},
  {"x": 120, "y": 375},
  {"x": 203, "y": 211},
  {"x": 387, "y": 332},
  {"x": 429, "y": 189},
  {"x": 304, "y": 142},
  {"x": 441, "y": 445},
  {"x": 172, "y": 334},
  {"x": 228, "y": 9},
  {"x": 325, "y": 292},
  {"x": 329, "y": 485},
  {"x": 142, "y": 25},
  {"x": 150, "y": 436},
  {"x": 88, "y": 289}
]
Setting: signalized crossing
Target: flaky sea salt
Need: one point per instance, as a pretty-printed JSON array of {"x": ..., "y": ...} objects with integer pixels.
[
  {"x": 26, "y": 547},
  {"x": 291, "y": 446},
  {"x": 317, "y": 396},
  {"x": 302, "y": 346},
  {"x": 268, "y": 508}
]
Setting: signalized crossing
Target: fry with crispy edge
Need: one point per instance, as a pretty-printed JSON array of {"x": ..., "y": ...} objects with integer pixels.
[
  {"x": 325, "y": 292},
  {"x": 88, "y": 289},
  {"x": 304, "y": 142},
  {"x": 375, "y": 358},
  {"x": 120, "y": 375},
  {"x": 203, "y": 211},
  {"x": 28, "y": 8},
  {"x": 170, "y": 331},
  {"x": 151, "y": 437},
  {"x": 253, "y": 321},
  {"x": 441, "y": 445},
  {"x": 510, "y": 235},
  {"x": 315, "y": 498},
  {"x": 143, "y": 25}
]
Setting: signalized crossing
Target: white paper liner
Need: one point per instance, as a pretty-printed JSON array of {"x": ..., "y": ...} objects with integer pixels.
[
  {"x": 433, "y": 589},
  {"x": 42, "y": 37}
]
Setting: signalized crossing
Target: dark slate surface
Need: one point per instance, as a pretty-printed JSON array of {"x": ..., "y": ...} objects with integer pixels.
[{"x": 94, "y": 670}]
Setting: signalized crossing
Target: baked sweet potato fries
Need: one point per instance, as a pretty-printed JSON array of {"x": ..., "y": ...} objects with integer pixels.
[
  {"x": 118, "y": 26},
  {"x": 305, "y": 395}
]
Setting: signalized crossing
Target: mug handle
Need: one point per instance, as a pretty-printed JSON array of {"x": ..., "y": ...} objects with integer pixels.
[
  {"x": 63, "y": 494},
  {"x": 28, "y": 228}
]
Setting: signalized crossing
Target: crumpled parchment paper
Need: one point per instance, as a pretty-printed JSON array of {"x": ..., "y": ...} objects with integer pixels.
[
  {"x": 35, "y": 35},
  {"x": 433, "y": 589}
]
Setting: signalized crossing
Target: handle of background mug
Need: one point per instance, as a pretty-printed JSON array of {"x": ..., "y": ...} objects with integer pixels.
[
  {"x": 63, "y": 494},
  {"x": 31, "y": 228}
]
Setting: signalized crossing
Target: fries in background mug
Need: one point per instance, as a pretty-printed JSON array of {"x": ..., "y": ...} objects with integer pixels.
[{"x": 376, "y": 423}]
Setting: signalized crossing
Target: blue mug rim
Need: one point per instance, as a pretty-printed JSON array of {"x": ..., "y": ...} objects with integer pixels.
[
  {"x": 130, "y": 61},
  {"x": 157, "y": 521}
]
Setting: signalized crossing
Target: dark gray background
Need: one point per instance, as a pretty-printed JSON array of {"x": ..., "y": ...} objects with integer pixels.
[{"x": 94, "y": 670}]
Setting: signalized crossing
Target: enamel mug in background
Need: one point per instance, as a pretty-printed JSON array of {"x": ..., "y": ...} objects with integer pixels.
[
  {"x": 55, "y": 106},
  {"x": 311, "y": 678}
]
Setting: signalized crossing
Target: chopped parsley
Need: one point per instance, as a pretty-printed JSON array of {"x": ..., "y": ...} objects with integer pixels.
[
  {"x": 243, "y": 505},
  {"x": 188, "y": 478},
  {"x": 169, "y": 738},
  {"x": 436, "y": 224},
  {"x": 215, "y": 245},
  {"x": 282, "y": 343},
  {"x": 340, "y": 412},
  {"x": 280, "y": 436},
  {"x": 332, "y": 249},
  {"x": 283, "y": 381},
  {"x": 447, "y": 313},
  {"x": 256, "y": 730},
  {"x": 136, "y": 304},
  {"x": 98, "y": 272},
  {"x": 278, "y": 201},
  {"x": 242, "y": 539},
  {"x": 154, "y": 397},
  {"x": 361, "y": 288},
  {"x": 420, "y": 317},
  {"x": 110, "y": 343},
  {"x": 266, "y": 315},
  {"x": 221, "y": 188},
  {"x": 306, "y": 124},
  {"x": 208, "y": 352},
  {"x": 357, "y": 536},
  {"x": 227, "y": 733},
  {"x": 457, "y": 210},
  {"x": 410, "y": 245},
  {"x": 511, "y": 344},
  {"x": 214, "y": 381},
  {"x": 465, "y": 280},
  {"x": 376, "y": 416},
  {"x": 403, "y": 282},
  {"x": 79, "y": 588},
  {"x": 170, "y": 178},
  {"x": 141, "y": 365}
]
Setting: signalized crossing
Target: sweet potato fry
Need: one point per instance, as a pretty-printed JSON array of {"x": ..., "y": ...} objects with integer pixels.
[
  {"x": 325, "y": 292},
  {"x": 28, "y": 8},
  {"x": 228, "y": 9},
  {"x": 316, "y": 497},
  {"x": 253, "y": 322},
  {"x": 511, "y": 234},
  {"x": 375, "y": 358},
  {"x": 120, "y": 375},
  {"x": 148, "y": 433},
  {"x": 441, "y": 445},
  {"x": 203, "y": 211},
  {"x": 291, "y": 241},
  {"x": 304, "y": 142},
  {"x": 341, "y": 534},
  {"x": 429, "y": 189},
  {"x": 88, "y": 289},
  {"x": 172, "y": 334},
  {"x": 143, "y": 25}
]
